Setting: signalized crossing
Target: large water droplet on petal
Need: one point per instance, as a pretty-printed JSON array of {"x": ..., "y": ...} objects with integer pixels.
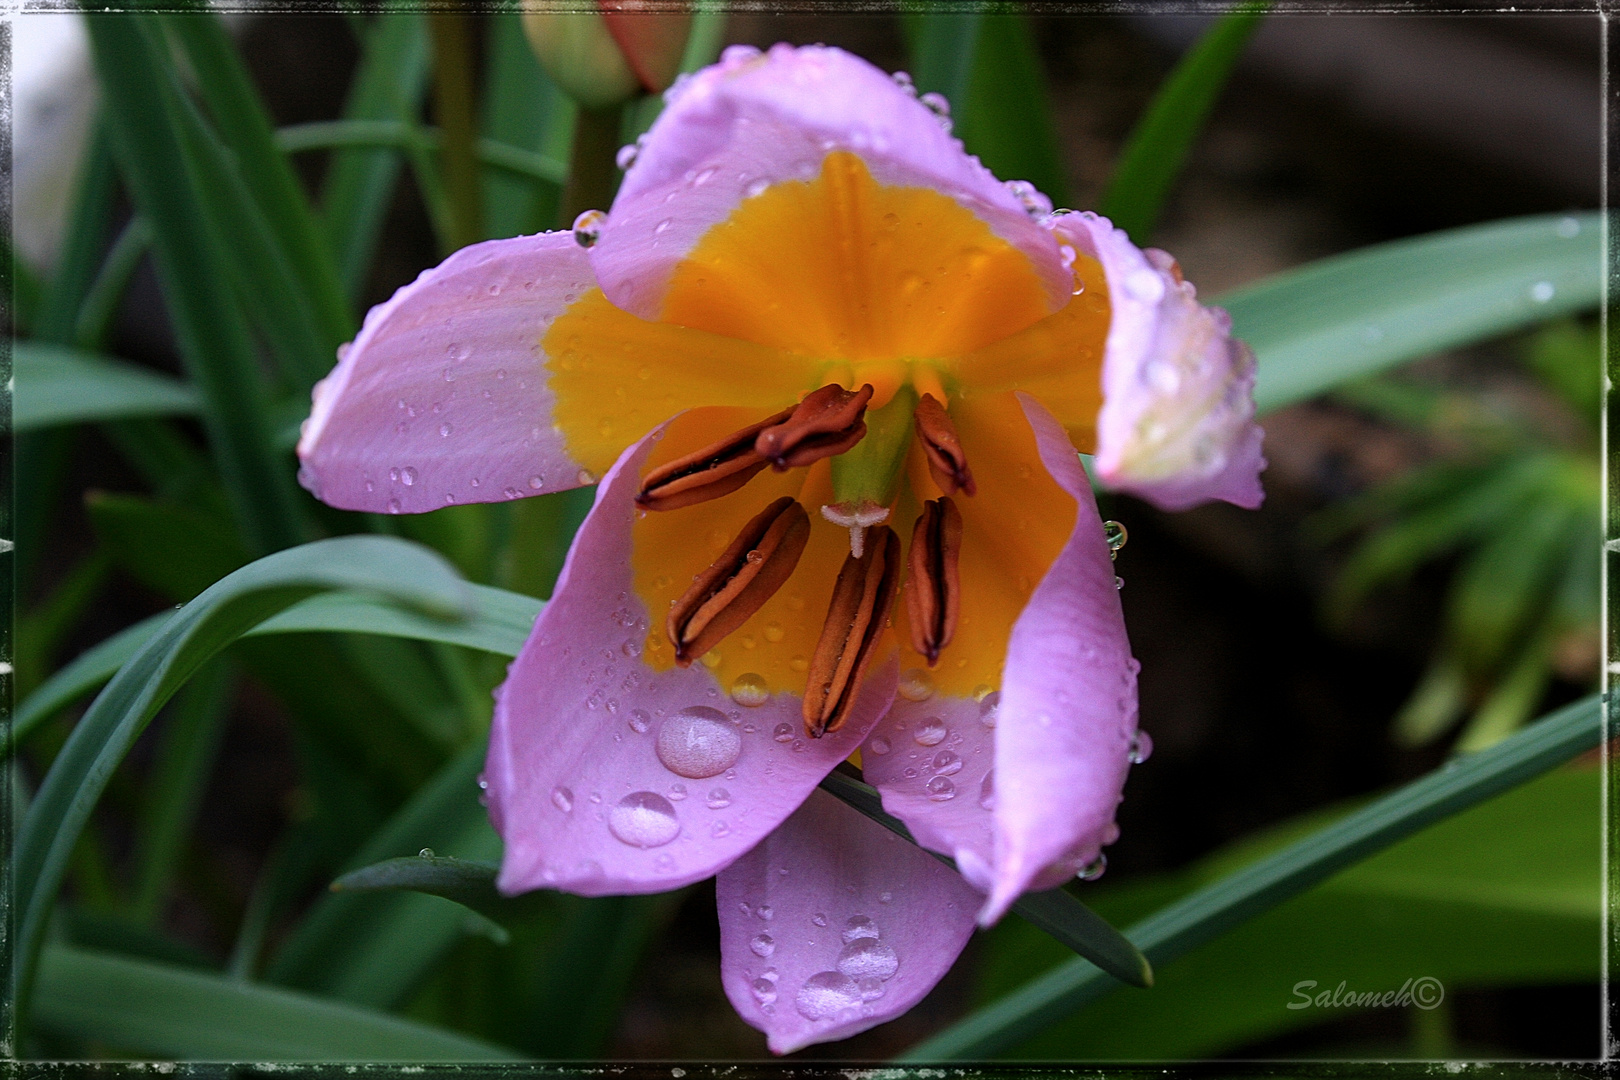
[
  {"x": 719, "y": 799},
  {"x": 588, "y": 228},
  {"x": 931, "y": 732},
  {"x": 782, "y": 733},
  {"x": 826, "y": 994},
  {"x": 916, "y": 685},
  {"x": 644, "y": 819},
  {"x": 947, "y": 764},
  {"x": 940, "y": 789},
  {"x": 698, "y": 742},
  {"x": 640, "y": 721},
  {"x": 1093, "y": 869},
  {"x": 762, "y": 945},
  {"x": 859, "y": 926},
  {"x": 1141, "y": 747},
  {"x": 868, "y": 958},
  {"x": 749, "y": 690},
  {"x": 1115, "y": 534}
]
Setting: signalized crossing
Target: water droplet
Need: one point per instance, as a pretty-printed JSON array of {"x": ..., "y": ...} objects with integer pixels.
[
  {"x": 644, "y": 819},
  {"x": 677, "y": 792},
  {"x": 640, "y": 721},
  {"x": 1542, "y": 291},
  {"x": 757, "y": 188},
  {"x": 871, "y": 989},
  {"x": 698, "y": 742},
  {"x": 826, "y": 994},
  {"x": 711, "y": 660},
  {"x": 868, "y": 958},
  {"x": 940, "y": 789},
  {"x": 782, "y": 733},
  {"x": 885, "y": 897},
  {"x": 764, "y": 991},
  {"x": 990, "y": 708},
  {"x": 749, "y": 690},
  {"x": 585, "y": 477},
  {"x": 393, "y": 506},
  {"x": 1116, "y": 535},
  {"x": 588, "y": 228},
  {"x": 858, "y": 927},
  {"x": 987, "y": 791},
  {"x": 1119, "y": 583},
  {"x": 947, "y": 764},
  {"x": 774, "y": 632},
  {"x": 745, "y": 907},
  {"x": 818, "y": 919},
  {"x": 762, "y": 945},
  {"x": 444, "y": 430},
  {"x": 407, "y": 476},
  {"x": 626, "y": 156},
  {"x": 916, "y": 685},
  {"x": 940, "y": 107},
  {"x": 765, "y": 911},
  {"x": 719, "y": 799},
  {"x": 425, "y": 853},
  {"x": 1093, "y": 869},
  {"x": 931, "y": 732},
  {"x": 903, "y": 81},
  {"x": 536, "y": 482},
  {"x": 1141, "y": 747},
  {"x": 879, "y": 746}
]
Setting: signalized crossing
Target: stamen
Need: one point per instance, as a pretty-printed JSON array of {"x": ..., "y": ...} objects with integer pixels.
[
  {"x": 946, "y": 461},
  {"x": 855, "y": 620},
  {"x": 717, "y": 469},
  {"x": 826, "y": 423},
  {"x": 933, "y": 588},
  {"x": 738, "y": 583}
]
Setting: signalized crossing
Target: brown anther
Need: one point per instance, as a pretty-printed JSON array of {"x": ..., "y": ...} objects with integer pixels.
[
  {"x": 933, "y": 589},
  {"x": 738, "y": 583},
  {"x": 946, "y": 462},
  {"x": 825, "y": 424},
  {"x": 855, "y": 620},
  {"x": 717, "y": 469}
]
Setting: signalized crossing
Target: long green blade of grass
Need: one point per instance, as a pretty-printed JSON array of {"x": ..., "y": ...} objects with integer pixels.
[
  {"x": 1343, "y": 318},
  {"x": 1157, "y": 147},
  {"x": 55, "y": 385},
  {"x": 1262, "y": 885},
  {"x": 244, "y": 125},
  {"x": 1008, "y": 120},
  {"x": 81, "y": 251},
  {"x": 329, "y": 134},
  {"x": 214, "y": 342},
  {"x": 165, "y": 1010},
  {"x": 942, "y": 56},
  {"x": 410, "y": 574},
  {"x": 388, "y": 85}
]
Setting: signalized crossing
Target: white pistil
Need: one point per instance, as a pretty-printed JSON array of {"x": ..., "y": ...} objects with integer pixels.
[{"x": 857, "y": 519}]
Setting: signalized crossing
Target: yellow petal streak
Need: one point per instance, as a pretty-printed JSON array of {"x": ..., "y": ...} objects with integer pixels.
[
  {"x": 1058, "y": 360},
  {"x": 616, "y": 377},
  {"x": 670, "y": 548},
  {"x": 1012, "y": 530},
  {"x": 842, "y": 267}
]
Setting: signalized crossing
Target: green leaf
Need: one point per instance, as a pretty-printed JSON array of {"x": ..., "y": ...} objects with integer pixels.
[
  {"x": 388, "y": 85},
  {"x": 81, "y": 249},
  {"x": 1059, "y": 913},
  {"x": 1508, "y": 893},
  {"x": 244, "y": 125},
  {"x": 178, "y": 551},
  {"x": 470, "y": 884},
  {"x": 942, "y": 56},
  {"x": 163, "y": 1010},
  {"x": 1208, "y": 913},
  {"x": 411, "y": 575},
  {"x": 101, "y": 302},
  {"x": 57, "y": 385},
  {"x": 1008, "y": 120},
  {"x": 1157, "y": 147},
  {"x": 524, "y": 109},
  {"x": 214, "y": 343},
  {"x": 1348, "y": 316},
  {"x": 328, "y": 134},
  {"x": 87, "y": 671}
]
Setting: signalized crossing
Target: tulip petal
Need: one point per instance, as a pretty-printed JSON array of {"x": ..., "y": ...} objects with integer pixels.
[
  {"x": 1177, "y": 422},
  {"x": 443, "y": 397},
  {"x": 1020, "y": 787},
  {"x": 753, "y": 120},
  {"x": 608, "y": 776},
  {"x": 833, "y": 924}
]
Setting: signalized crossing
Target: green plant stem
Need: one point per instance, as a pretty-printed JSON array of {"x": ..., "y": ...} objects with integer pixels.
[
  {"x": 453, "y": 108},
  {"x": 106, "y": 292},
  {"x": 592, "y": 174},
  {"x": 399, "y": 135}
]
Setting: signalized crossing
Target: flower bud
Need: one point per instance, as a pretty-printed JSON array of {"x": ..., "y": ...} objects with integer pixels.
[{"x": 608, "y": 56}]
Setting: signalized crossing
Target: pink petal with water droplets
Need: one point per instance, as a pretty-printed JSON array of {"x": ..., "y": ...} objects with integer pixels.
[
  {"x": 579, "y": 788},
  {"x": 1032, "y": 792},
  {"x": 753, "y": 120},
  {"x": 1177, "y": 423},
  {"x": 861, "y": 925},
  {"x": 442, "y": 398}
]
